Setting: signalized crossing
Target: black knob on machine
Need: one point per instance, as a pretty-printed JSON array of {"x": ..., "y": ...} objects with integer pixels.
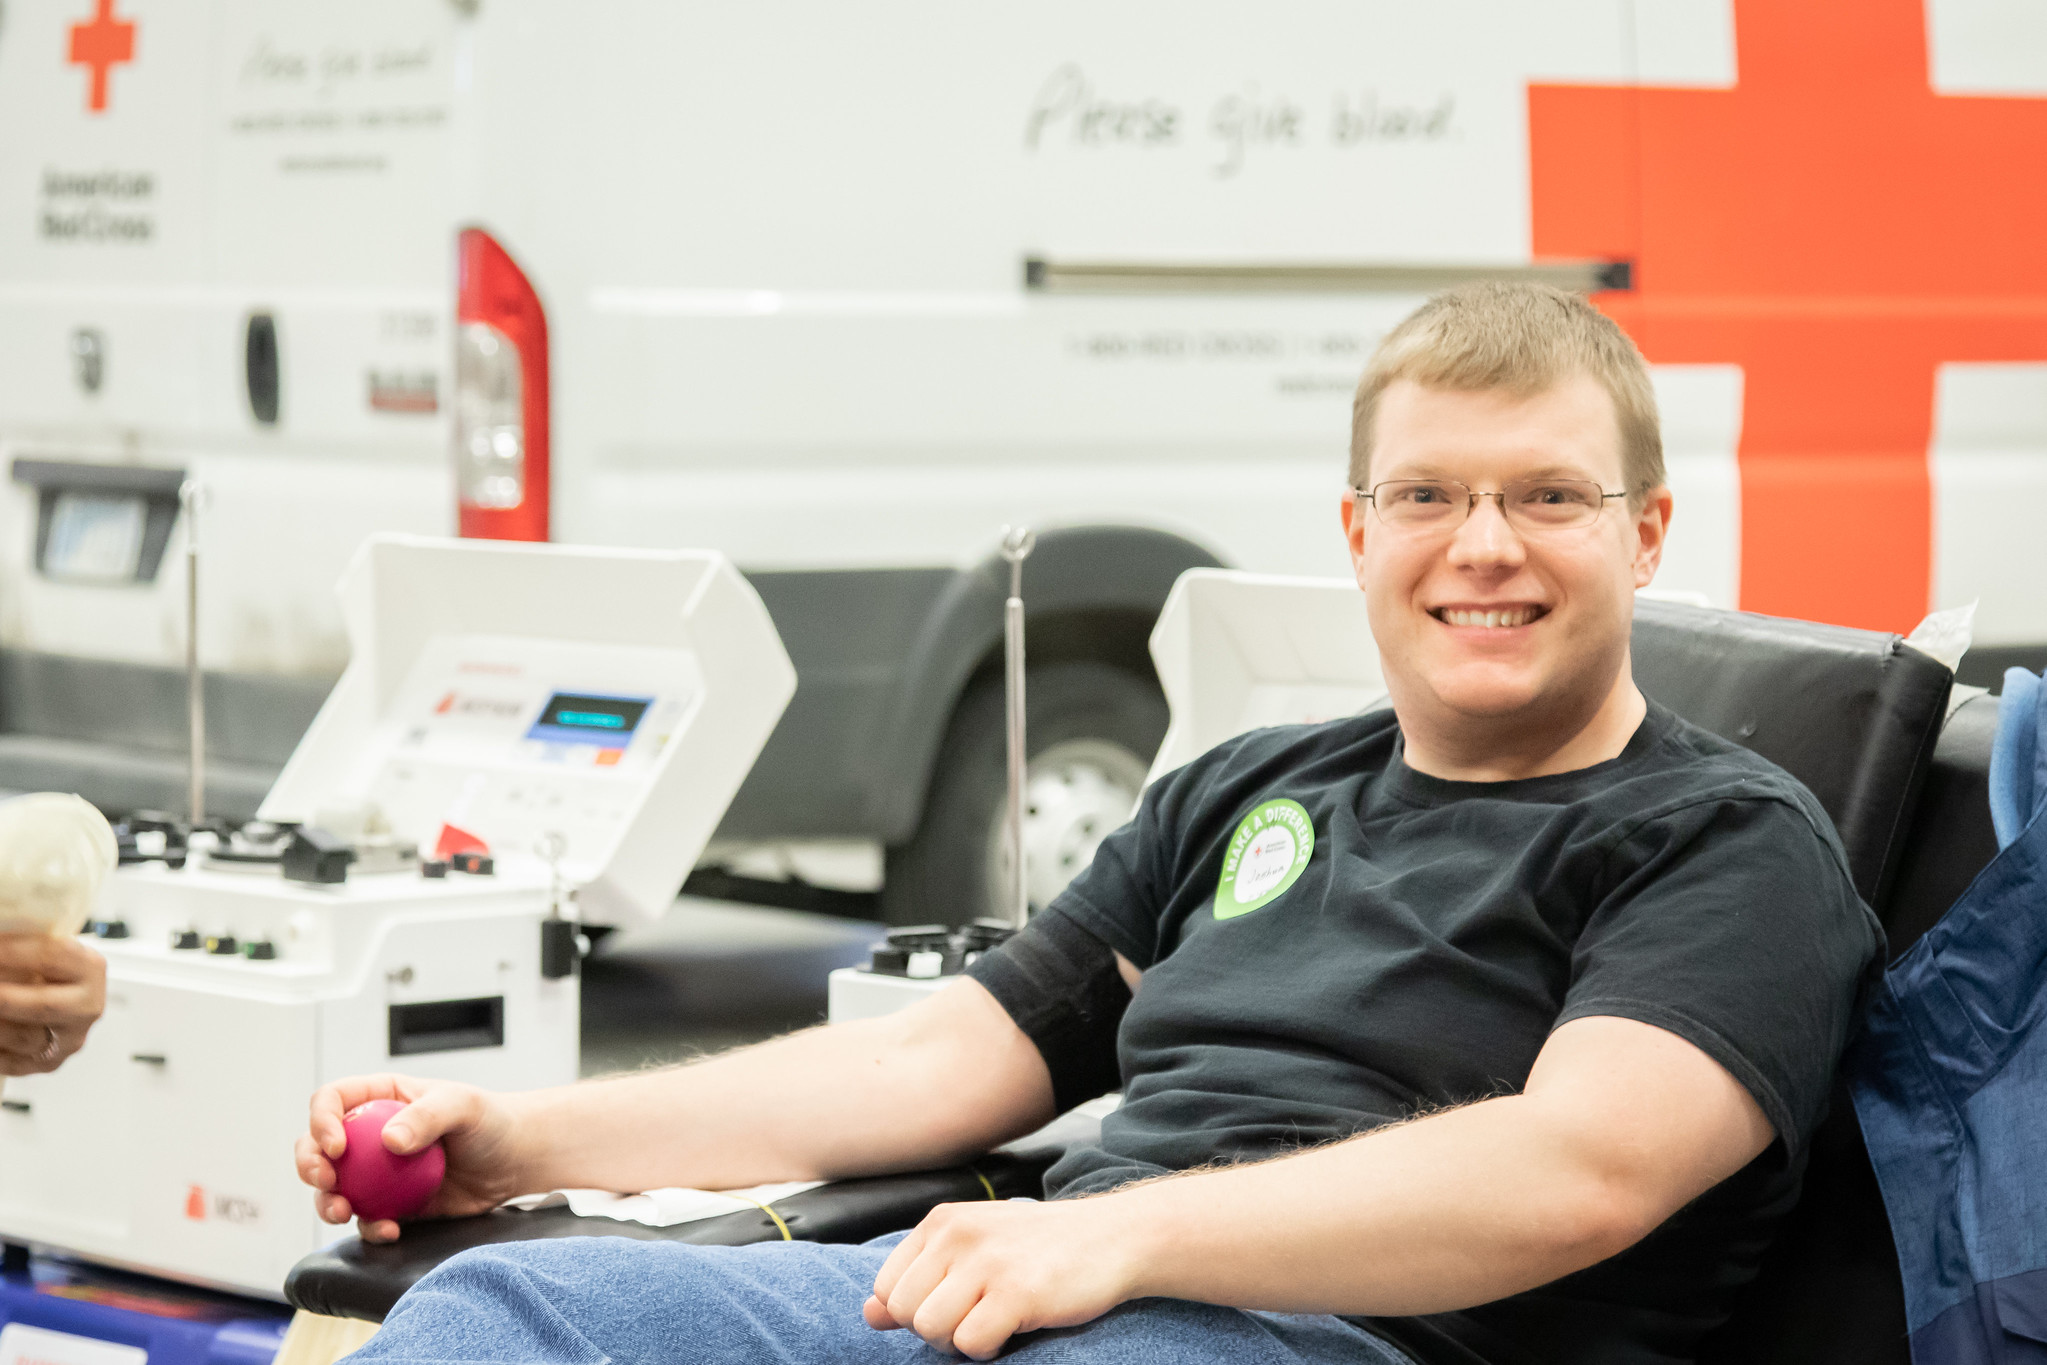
[
  {"x": 559, "y": 950},
  {"x": 316, "y": 856},
  {"x": 914, "y": 950}
]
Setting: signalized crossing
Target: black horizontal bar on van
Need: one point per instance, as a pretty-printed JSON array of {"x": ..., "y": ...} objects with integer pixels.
[
  {"x": 1047, "y": 276},
  {"x": 73, "y": 476}
]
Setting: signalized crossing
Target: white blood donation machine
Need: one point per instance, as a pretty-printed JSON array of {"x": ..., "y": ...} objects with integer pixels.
[
  {"x": 525, "y": 734},
  {"x": 1241, "y": 651},
  {"x": 1235, "y": 652}
]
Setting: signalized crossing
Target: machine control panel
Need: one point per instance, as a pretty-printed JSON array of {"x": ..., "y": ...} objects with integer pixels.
[{"x": 493, "y": 744}]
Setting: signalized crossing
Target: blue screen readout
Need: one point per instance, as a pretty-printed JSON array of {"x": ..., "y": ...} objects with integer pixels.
[
  {"x": 585, "y": 718},
  {"x": 596, "y": 720}
]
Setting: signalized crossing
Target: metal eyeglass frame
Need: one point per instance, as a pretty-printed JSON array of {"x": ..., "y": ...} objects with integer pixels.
[{"x": 1472, "y": 496}]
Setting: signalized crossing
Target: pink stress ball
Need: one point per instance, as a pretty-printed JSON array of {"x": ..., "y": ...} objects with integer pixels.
[{"x": 377, "y": 1182}]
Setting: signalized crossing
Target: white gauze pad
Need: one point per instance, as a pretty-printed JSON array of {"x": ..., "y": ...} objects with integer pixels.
[{"x": 55, "y": 850}]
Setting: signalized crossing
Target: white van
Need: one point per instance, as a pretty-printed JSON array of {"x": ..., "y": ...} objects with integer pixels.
[{"x": 841, "y": 290}]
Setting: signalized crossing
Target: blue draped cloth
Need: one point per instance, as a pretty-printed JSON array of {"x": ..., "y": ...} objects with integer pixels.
[{"x": 1949, "y": 1078}]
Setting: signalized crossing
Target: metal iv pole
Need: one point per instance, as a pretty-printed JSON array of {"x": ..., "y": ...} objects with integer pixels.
[
  {"x": 1017, "y": 542},
  {"x": 192, "y": 496}
]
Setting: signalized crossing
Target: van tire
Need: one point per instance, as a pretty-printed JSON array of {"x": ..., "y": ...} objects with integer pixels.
[{"x": 942, "y": 875}]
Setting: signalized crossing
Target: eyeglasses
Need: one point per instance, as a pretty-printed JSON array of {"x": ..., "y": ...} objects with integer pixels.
[{"x": 1527, "y": 504}]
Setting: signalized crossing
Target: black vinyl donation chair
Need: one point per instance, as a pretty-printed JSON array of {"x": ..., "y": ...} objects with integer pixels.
[{"x": 1856, "y": 715}]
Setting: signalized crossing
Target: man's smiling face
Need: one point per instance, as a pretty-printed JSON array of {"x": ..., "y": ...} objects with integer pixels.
[{"x": 1481, "y": 621}]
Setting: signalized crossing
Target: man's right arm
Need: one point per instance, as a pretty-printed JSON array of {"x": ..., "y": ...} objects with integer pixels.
[{"x": 929, "y": 1086}]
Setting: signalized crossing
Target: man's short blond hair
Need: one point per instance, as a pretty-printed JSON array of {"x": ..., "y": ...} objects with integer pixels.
[{"x": 1523, "y": 338}]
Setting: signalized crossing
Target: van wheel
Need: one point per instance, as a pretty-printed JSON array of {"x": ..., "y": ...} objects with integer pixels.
[{"x": 1093, "y": 729}]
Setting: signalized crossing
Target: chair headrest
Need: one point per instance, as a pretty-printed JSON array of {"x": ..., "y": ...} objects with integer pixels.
[
  {"x": 1853, "y": 714},
  {"x": 1952, "y": 838}
]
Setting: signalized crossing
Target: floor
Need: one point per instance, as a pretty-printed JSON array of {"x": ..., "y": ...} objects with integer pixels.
[{"x": 711, "y": 975}]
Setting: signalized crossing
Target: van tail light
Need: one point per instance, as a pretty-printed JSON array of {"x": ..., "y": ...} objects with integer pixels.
[{"x": 501, "y": 410}]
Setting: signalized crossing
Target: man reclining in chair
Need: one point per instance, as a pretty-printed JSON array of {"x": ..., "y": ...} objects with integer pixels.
[{"x": 1491, "y": 1028}]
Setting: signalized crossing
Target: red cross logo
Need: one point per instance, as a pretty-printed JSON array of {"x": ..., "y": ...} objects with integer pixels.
[
  {"x": 1838, "y": 230},
  {"x": 102, "y": 43}
]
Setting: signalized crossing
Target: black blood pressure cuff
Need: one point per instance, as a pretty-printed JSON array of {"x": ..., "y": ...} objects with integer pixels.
[{"x": 1060, "y": 984}]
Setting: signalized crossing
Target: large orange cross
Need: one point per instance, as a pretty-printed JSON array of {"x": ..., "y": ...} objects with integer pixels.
[
  {"x": 1838, "y": 230},
  {"x": 102, "y": 43}
]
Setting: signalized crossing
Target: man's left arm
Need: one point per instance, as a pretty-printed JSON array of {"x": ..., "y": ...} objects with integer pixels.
[{"x": 1621, "y": 1125}]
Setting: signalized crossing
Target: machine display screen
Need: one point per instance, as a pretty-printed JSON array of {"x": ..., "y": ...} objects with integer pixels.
[{"x": 580, "y": 718}]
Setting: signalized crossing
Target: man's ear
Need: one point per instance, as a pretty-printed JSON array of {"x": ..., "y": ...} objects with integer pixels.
[
  {"x": 1351, "y": 508},
  {"x": 1652, "y": 527}
]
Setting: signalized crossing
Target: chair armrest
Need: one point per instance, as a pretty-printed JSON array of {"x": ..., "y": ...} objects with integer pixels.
[{"x": 355, "y": 1279}]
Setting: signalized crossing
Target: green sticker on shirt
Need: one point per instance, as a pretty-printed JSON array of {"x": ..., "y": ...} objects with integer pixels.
[{"x": 1266, "y": 855}]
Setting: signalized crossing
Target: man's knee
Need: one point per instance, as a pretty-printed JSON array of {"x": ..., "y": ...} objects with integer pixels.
[
  {"x": 580, "y": 1300},
  {"x": 515, "y": 1269},
  {"x": 566, "y": 1299}
]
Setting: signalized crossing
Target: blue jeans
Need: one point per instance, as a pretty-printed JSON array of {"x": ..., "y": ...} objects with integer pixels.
[{"x": 590, "y": 1300}]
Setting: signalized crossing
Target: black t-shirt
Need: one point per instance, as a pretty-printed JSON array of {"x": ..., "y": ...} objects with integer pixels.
[{"x": 1332, "y": 941}]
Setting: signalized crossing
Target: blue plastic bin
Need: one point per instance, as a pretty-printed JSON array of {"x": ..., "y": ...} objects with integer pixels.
[{"x": 170, "y": 1323}]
